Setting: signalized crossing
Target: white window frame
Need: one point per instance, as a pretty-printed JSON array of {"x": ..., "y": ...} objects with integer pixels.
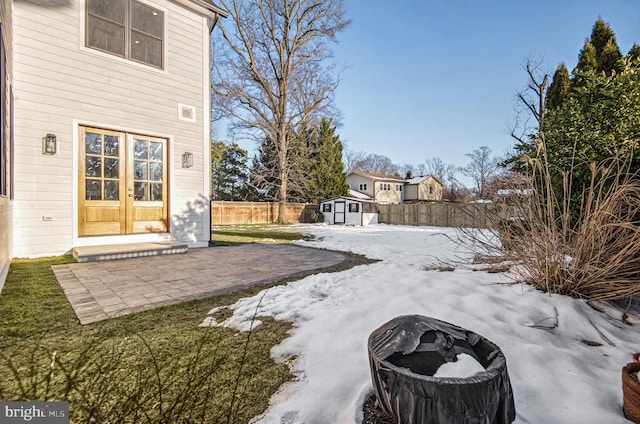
[{"x": 165, "y": 58}]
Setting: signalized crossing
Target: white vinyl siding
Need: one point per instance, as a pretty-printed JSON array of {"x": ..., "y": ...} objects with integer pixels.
[{"x": 59, "y": 84}]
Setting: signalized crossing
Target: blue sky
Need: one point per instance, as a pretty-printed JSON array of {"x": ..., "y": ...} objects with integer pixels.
[{"x": 437, "y": 78}]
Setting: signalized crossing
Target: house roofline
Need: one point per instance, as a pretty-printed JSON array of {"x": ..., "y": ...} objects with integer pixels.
[
  {"x": 208, "y": 5},
  {"x": 378, "y": 177}
]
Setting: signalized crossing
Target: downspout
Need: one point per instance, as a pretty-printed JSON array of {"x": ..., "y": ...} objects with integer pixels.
[{"x": 212, "y": 24}]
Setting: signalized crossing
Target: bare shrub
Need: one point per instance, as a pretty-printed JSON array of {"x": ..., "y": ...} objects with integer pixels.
[{"x": 590, "y": 250}]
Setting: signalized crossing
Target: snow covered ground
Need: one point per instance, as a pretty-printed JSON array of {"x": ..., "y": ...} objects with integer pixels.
[{"x": 556, "y": 376}]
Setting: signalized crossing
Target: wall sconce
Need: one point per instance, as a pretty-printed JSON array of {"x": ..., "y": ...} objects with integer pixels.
[
  {"x": 49, "y": 142},
  {"x": 187, "y": 160}
]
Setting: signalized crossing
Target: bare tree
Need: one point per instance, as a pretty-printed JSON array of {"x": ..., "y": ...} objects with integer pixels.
[
  {"x": 372, "y": 162},
  {"x": 271, "y": 71},
  {"x": 532, "y": 103},
  {"x": 482, "y": 167}
]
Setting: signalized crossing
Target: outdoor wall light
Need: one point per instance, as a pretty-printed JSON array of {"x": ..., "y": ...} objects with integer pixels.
[
  {"x": 187, "y": 160},
  {"x": 49, "y": 143}
]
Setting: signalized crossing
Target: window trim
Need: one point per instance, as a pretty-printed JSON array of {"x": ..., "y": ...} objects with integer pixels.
[{"x": 141, "y": 65}]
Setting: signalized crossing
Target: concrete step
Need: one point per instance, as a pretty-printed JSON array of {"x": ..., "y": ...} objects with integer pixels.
[{"x": 111, "y": 252}]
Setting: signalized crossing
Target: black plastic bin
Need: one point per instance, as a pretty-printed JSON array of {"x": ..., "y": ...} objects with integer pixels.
[{"x": 405, "y": 353}]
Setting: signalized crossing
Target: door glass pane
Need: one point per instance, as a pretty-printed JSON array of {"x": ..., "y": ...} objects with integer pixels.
[
  {"x": 155, "y": 171},
  {"x": 140, "y": 191},
  {"x": 111, "y": 190},
  {"x": 140, "y": 170},
  {"x": 140, "y": 149},
  {"x": 155, "y": 151},
  {"x": 93, "y": 143},
  {"x": 111, "y": 143},
  {"x": 111, "y": 168},
  {"x": 93, "y": 190},
  {"x": 93, "y": 166},
  {"x": 156, "y": 192}
]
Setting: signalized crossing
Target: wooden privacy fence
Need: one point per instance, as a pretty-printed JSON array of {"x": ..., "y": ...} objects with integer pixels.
[
  {"x": 436, "y": 214},
  {"x": 232, "y": 213}
]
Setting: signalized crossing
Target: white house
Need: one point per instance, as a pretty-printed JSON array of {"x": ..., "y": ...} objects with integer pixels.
[
  {"x": 349, "y": 210},
  {"x": 392, "y": 189},
  {"x": 105, "y": 124},
  {"x": 384, "y": 189},
  {"x": 425, "y": 188}
]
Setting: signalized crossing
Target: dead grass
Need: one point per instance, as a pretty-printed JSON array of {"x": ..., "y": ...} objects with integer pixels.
[
  {"x": 153, "y": 367},
  {"x": 589, "y": 251}
]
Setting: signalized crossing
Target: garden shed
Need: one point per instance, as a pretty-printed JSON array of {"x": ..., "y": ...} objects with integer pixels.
[{"x": 349, "y": 210}]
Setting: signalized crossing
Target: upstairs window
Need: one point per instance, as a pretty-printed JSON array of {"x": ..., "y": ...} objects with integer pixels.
[
  {"x": 129, "y": 29},
  {"x": 363, "y": 187}
]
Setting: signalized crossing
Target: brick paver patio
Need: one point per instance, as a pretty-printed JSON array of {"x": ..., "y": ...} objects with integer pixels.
[{"x": 102, "y": 290}]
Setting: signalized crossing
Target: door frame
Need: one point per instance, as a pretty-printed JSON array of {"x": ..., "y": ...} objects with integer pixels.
[{"x": 78, "y": 240}]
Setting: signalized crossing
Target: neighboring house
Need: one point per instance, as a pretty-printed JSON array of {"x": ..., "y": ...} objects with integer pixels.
[
  {"x": 349, "y": 210},
  {"x": 105, "y": 124},
  {"x": 389, "y": 189},
  {"x": 421, "y": 189},
  {"x": 384, "y": 189}
]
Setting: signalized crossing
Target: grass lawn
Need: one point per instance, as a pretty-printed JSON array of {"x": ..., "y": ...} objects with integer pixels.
[
  {"x": 271, "y": 233},
  {"x": 156, "y": 366}
]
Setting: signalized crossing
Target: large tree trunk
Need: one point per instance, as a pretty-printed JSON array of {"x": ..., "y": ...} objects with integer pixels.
[{"x": 283, "y": 176}]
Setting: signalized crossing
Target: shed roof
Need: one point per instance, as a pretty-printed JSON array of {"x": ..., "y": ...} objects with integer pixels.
[
  {"x": 421, "y": 179},
  {"x": 354, "y": 199}
]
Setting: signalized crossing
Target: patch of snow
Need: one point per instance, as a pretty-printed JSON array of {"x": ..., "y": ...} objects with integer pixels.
[
  {"x": 466, "y": 366},
  {"x": 556, "y": 377}
]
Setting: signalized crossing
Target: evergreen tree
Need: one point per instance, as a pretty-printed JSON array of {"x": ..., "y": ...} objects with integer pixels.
[
  {"x": 327, "y": 178},
  {"x": 604, "y": 42},
  {"x": 316, "y": 170},
  {"x": 634, "y": 54},
  {"x": 230, "y": 174},
  {"x": 600, "y": 52},
  {"x": 587, "y": 60},
  {"x": 559, "y": 88}
]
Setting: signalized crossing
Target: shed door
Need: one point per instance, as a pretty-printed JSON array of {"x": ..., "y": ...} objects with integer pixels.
[
  {"x": 339, "y": 215},
  {"x": 122, "y": 183}
]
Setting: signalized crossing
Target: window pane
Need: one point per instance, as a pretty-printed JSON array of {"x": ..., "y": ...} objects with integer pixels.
[
  {"x": 93, "y": 143},
  {"x": 111, "y": 190},
  {"x": 111, "y": 168},
  {"x": 105, "y": 35},
  {"x": 111, "y": 143},
  {"x": 146, "y": 49},
  {"x": 113, "y": 10},
  {"x": 140, "y": 170},
  {"x": 155, "y": 151},
  {"x": 140, "y": 149},
  {"x": 140, "y": 191},
  {"x": 155, "y": 171},
  {"x": 93, "y": 166},
  {"x": 93, "y": 190},
  {"x": 156, "y": 192},
  {"x": 146, "y": 19}
]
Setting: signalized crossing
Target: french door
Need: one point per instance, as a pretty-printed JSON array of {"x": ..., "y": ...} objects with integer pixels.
[{"x": 122, "y": 183}]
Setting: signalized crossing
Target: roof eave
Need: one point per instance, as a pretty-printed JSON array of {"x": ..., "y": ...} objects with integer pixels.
[{"x": 205, "y": 7}]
